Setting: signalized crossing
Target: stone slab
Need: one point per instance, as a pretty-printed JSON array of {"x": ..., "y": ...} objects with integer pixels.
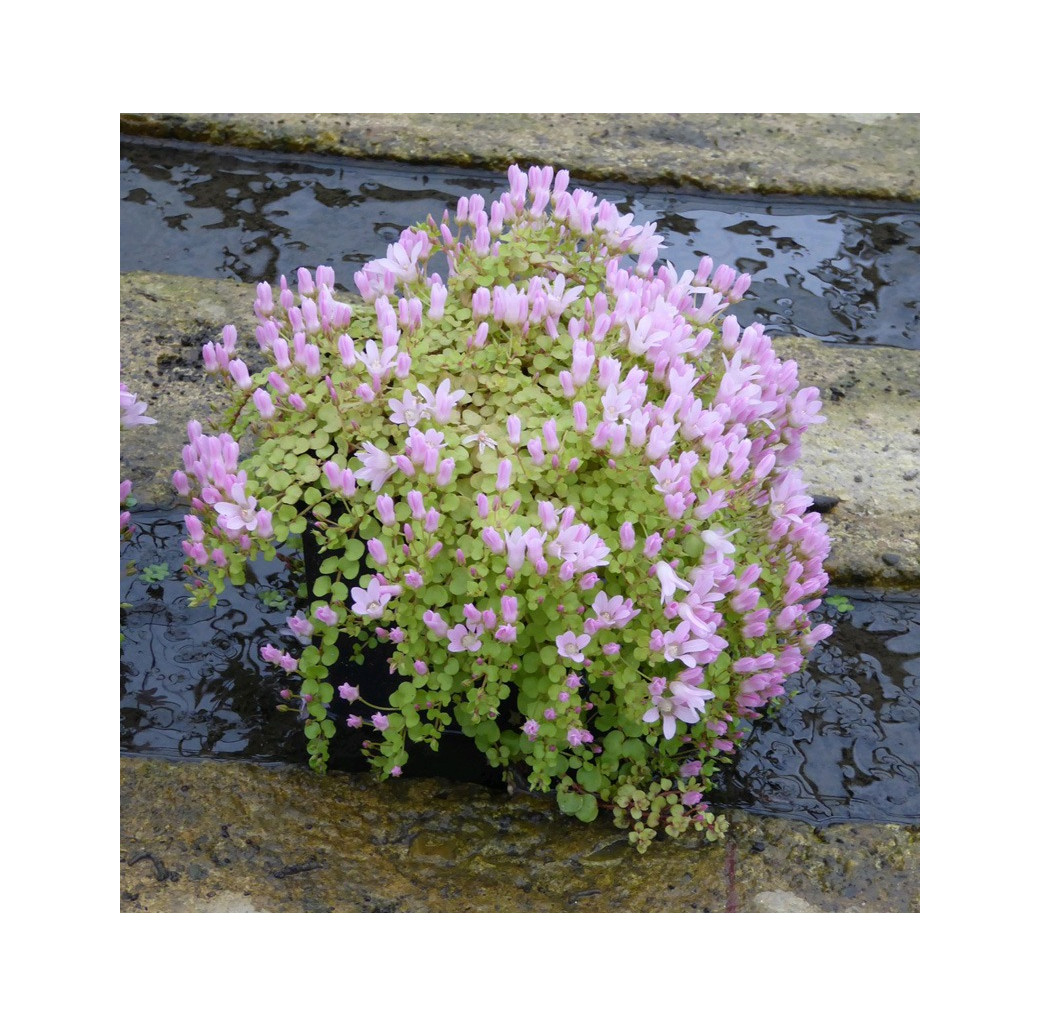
[
  {"x": 865, "y": 155},
  {"x": 234, "y": 837}
]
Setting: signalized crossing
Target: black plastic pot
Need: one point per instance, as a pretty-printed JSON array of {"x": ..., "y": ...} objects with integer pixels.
[{"x": 457, "y": 758}]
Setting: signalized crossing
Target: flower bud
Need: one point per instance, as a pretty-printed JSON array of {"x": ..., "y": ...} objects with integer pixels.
[{"x": 385, "y": 509}]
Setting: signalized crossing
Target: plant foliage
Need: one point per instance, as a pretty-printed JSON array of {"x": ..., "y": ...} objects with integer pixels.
[{"x": 552, "y": 472}]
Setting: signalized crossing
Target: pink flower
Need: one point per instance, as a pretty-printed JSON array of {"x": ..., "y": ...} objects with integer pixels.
[
  {"x": 379, "y": 721},
  {"x": 378, "y": 466},
  {"x": 241, "y": 513},
  {"x": 819, "y": 633},
  {"x": 570, "y": 646},
  {"x": 530, "y": 728},
  {"x": 509, "y": 304},
  {"x": 327, "y": 615},
  {"x": 445, "y": 472},
  {"x": 191, "y": 522},
  {"x": 516, "y": 548},
  {"x": 717, "y": 542},
  {"x": 678, "y": 645},
  {"x": 131, "y": 412},
  {"x": 385, "y": 509},
  {"x": 371, "y": 601},
  {"x": 577, "y": 547},
  {"x": 438, "y": 295},
  {"x": 271, "y": 654},
  {"x": 481, "y": 302},
  {"x": 443, "y": 402},
  {"x": 348, "y": 692},
  {"x": 406, "y": 410},
  {"x": 613, "y": 611},
  {"x": 239, "y": 373},
  {"x": 685, "y": 703},
  {"x": 461, "y": 639},
  {"x": 669, "y": 581}
]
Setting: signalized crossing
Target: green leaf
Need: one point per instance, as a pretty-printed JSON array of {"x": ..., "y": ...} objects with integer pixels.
[
  {"x": 588, "y": 810},
  {"x": 436, "y": 596},
  {"x": 460, "y": 582},
  {"x": 570, "y": 802},
  {"x": 273, "y": 599},
  {"x": 590, "y": 778}
]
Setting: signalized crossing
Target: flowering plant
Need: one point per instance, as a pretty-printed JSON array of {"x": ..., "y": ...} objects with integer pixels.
[{"x": 555, "y": 475}]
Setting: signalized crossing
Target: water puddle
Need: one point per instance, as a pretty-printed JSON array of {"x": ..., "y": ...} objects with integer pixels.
[
  {"x": 845, "y": 747},
  {"x": 843, "y": 271}
]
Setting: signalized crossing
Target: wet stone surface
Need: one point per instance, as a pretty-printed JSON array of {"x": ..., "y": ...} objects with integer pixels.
[
  {"x": 839, "y": 270},
  {"x": 237, "y": 837},
  {"x": 874, "y": 155}
]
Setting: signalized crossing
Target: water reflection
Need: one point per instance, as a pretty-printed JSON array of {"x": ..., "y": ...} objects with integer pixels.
[{"x": 838, "y": 270}]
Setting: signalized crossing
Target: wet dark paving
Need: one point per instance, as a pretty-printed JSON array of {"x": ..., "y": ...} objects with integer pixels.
[
  {"x": 844, "y": 747},
  {"x": 843, "y": 271}
]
